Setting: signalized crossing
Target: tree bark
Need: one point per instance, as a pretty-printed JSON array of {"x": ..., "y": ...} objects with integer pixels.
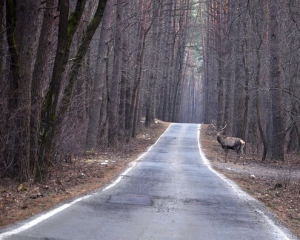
[
  {"x": 50, "y": 120},
  {"x": 99, "y": 82},
  {"x": 275, "y": 83},
  {"x": 40, "y": 76},
  {"x": 114, "y": 93},
  {"x": 81, "y": 52},
  {"x": 22, "y": 29},
  {"x": 239, "y": 95},
  {"x": 48, "y": 112}
]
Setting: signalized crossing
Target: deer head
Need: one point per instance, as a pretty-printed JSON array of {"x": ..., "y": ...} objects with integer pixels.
[{"x": 219, "y": 131}]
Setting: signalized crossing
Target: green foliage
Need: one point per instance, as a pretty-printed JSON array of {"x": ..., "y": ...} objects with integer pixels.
[{"x": 73, "y": 22}]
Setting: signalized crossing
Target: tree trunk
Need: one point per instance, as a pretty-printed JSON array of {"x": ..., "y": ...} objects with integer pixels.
[
  {"x": 40, "y": 76},
  {"x": 239, "y": 96},
  {"x": 114, "y": 93},
  {"x": 22, "y": 28},
  {"x": 50, "y": 120},
  {"x": 275, "y": 83},
  {"x": 166, "y": 58},
  {"x": 124, "y": 82},
  {"x": 48, "y": 112},
  {"x": 143, "y": 32},
  {"x": 75, "y": 68},
  {"x": 99, "y": 82},
  {"x": 220, "y": 59},
  {"x": 256, "y": 20}
]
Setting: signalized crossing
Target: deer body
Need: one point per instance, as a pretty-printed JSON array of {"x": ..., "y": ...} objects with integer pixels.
[{"x": 231, "y": 143}]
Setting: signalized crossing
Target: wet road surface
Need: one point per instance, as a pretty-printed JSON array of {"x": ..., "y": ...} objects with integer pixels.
[{"x": 168, "y": 193}]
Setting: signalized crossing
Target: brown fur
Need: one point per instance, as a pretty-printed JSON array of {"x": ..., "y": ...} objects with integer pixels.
[{"x": 231, "y": 143}]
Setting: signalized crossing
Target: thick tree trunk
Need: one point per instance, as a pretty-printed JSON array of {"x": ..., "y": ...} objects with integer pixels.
[
  {"x": 10, "y": 147},
  {"x": 22, "y": 29},
  {"x": 256, "y": 20},
  {"x": 114, "y": 92},
  {"x": 275, "y": 83},
  {"x": 48, "y": 112},
  {"x": 239, "y": 96},
  {"x": 40, "y": 76},
  {"x": 124, "y": 82}
]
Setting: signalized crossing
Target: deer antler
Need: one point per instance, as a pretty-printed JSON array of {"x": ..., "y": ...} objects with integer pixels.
[
  {"x": 213, "y": 122},
  {"x": 224, "y": 127}
]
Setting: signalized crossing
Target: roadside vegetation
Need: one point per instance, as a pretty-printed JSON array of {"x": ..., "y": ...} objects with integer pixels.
[{"x": 70, "y": 179}]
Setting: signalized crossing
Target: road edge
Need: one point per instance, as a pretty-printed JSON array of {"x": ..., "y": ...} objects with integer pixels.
[
  {"x": 281, "y": 231},
  {"x": 31, "y": 222}
]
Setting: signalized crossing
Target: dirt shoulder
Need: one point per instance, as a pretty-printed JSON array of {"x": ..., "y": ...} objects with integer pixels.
[
  {"x": 276, "y": 184},
  {"x": 70, "y": 180}
]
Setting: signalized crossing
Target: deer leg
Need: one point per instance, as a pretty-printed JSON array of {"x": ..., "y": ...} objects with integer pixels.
[
  {"x": 240, "y": 152},
  {"x": 243, "y": 155},
  {"x": 226, "y": 152},
  {"x": 238, "y": 156}
]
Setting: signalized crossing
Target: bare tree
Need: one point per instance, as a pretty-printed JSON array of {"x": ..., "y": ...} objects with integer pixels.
[
  {"x": 114, "y": 96},
  {"x": 54, "y": 82},
  {"x": 22, "y": 21},
  {"x": 99, "y": 82},
  {"x": 275, "y": 84},
  {"x": 40, "y": 75}
]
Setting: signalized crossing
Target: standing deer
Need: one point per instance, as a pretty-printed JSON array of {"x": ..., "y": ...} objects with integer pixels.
[{"x": 232, "y": 143}]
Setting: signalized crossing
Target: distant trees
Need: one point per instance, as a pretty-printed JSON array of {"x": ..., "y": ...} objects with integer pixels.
[
  {"x": 251, "y": 74},
  {"x": 79, "y": 76}
]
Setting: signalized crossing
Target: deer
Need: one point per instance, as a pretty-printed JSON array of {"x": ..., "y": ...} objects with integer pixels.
[{"x": 233, "y": 143}]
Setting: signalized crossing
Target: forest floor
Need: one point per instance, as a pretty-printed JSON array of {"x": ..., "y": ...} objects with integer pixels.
[
  {"x": 276, "y": 184},
  {"x": 19, "y": 201}
]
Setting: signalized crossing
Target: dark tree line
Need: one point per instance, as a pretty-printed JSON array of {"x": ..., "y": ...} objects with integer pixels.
[
  {"x": 251, "y": 72},
  {"x": 80, "y": 76}
]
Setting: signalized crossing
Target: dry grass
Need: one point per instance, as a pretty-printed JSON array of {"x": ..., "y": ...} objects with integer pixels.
[{"x": 69, "y": 180}]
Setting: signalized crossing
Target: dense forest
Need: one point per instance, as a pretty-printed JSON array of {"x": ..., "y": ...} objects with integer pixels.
[
  {"x": 81, "y": 75},
  {"x": 78, "y": 76},
  {"x": 251, "y": 72}
]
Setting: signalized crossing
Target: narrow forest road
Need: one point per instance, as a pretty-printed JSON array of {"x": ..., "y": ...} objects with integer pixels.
[{"x": 168, "y": 193}]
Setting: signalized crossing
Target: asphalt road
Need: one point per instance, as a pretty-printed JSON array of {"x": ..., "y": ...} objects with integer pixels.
[{"x": 168, "y": 193}]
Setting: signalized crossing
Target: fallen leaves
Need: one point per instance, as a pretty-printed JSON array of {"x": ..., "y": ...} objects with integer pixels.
[{"x": 19, "y": 201}]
